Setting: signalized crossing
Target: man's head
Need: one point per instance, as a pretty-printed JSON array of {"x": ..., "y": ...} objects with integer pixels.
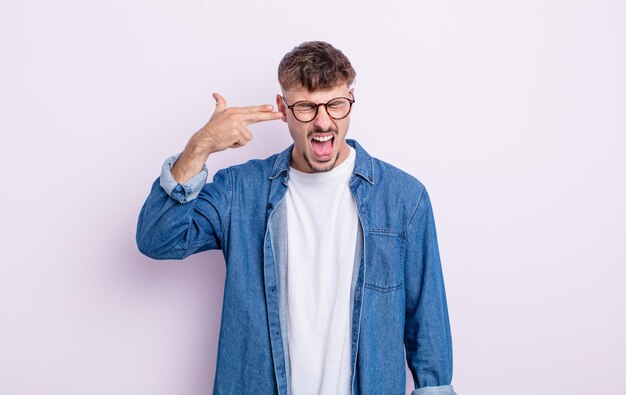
[{"x": 315, "y": 73}]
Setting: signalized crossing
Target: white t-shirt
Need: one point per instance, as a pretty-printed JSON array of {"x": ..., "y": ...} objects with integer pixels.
[{"x": 322, "y": 224}]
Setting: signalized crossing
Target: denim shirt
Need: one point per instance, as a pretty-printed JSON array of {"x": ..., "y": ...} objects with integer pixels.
[{"x": 398, "y": 301}]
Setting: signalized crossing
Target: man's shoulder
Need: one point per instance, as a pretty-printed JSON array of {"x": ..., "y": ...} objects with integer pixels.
[
  {"x": 388, "y": 180},
  {"x": 394, "y": 193},
  {"x": 396, "y": 174},
  {"x": 393, "y": 177}
]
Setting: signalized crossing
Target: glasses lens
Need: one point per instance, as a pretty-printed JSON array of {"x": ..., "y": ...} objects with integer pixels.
[
  {"x": 304, "y": 111},
  {"x": 338, "y": 108}
]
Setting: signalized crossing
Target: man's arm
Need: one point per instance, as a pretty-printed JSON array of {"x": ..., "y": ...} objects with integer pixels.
[
  {"x": 179, "y": 220},
  {"x": 427, "y": 329},
  {"x": 184, "y": 215}
]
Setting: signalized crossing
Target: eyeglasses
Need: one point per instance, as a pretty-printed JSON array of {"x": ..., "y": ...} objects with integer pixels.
[{"x": 306, "y": 111}]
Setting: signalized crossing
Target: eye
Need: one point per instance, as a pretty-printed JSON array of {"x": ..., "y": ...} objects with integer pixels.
[
  {"x": 337, "y": 104},
  {"x": 304, "y": 106}
]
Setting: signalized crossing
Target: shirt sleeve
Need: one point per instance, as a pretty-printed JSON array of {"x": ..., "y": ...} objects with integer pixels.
[
  {"x": 180, "y": 220},
  {"x": 439, "y": 390},
  {"x": 181, "y": 192},
  {"x": 427, "y": 335}
]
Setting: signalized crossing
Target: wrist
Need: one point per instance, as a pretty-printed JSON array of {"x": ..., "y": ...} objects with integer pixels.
[{"x": 194, "y": 150}]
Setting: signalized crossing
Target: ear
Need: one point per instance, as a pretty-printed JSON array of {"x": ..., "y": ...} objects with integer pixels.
[{"x": 282, "y": 108}]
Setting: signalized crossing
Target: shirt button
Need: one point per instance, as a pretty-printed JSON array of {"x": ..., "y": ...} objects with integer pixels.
[{"x": 269, "y": 205}]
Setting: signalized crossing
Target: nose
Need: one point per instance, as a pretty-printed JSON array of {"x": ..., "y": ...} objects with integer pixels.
[{"x": 322, "y": 119}]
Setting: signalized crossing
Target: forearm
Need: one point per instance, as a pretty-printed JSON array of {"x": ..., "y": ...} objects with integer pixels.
[{"x": 190, "y": 163}]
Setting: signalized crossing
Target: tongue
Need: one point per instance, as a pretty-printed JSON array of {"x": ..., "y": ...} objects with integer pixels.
[{"x": 322, "y": 148}]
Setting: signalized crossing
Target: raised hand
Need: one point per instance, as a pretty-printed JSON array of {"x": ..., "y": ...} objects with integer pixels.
[{"x": 227, "y": 128}]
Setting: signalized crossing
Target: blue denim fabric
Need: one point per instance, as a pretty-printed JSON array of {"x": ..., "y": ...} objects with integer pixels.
[{"x": 398, "y": 296}]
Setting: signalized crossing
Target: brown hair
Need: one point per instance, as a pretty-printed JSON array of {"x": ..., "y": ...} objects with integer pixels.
[{"x": 315, "y": 65}]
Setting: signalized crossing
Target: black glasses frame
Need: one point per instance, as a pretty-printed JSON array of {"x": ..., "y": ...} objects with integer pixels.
[{"x": 317, "y": 107}]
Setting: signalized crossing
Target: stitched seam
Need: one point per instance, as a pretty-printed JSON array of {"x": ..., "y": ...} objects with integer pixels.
[
  {"x": 419, "y": 203},
  {"x": 181, "y": 243},
  {"x": 230, "y": 202},
  {"x": 380, "y": 289},
  {"x": 387, "y": 232},
  {"x": 196, "y": 244}
]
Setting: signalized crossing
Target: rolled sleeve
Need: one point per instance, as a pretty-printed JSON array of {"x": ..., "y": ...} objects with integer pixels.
[
  {"x": 441, "y": 390},
  {"x": 186, "y": 192}
]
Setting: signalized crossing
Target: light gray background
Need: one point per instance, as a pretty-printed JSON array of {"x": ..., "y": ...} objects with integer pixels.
[{"x": 511, "y": 113}]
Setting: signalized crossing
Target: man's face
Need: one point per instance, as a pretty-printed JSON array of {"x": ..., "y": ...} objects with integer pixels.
[{"x": 311, "y": 153}]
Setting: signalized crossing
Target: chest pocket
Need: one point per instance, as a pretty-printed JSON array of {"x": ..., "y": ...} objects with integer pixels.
[{"x": 384, "y": 249}]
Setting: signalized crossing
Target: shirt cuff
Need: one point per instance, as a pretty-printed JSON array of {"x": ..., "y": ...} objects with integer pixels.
[
  {"x": 441, "y": 390},
  {"x": 186, "y": 192}
]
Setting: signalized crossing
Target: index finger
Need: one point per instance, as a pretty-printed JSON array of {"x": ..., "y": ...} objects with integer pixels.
[
  {"x": 255, "y": 117},
  {"x": 253, "y": 109}
]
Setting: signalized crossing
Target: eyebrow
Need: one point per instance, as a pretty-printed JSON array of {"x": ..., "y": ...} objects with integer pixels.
[{"x": 311, "y": 101}]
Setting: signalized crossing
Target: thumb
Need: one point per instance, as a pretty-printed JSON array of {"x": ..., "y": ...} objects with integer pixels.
[{"x": 220, "y": 102}]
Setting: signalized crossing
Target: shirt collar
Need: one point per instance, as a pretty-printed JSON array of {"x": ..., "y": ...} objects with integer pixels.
[{"x": 363, "y": 165}]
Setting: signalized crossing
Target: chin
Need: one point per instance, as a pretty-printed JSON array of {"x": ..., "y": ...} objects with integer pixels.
[{"x": 319, "y": 167}]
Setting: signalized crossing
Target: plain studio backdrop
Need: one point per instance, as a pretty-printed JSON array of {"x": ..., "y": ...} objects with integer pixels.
[{"x": 512, "y": 113}]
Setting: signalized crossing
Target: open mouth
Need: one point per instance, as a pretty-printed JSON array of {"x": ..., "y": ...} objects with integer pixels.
[{"x": 322, "y": 146}]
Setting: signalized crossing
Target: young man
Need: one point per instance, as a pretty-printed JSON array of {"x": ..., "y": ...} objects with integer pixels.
[{"x": 332, "y": 264}]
